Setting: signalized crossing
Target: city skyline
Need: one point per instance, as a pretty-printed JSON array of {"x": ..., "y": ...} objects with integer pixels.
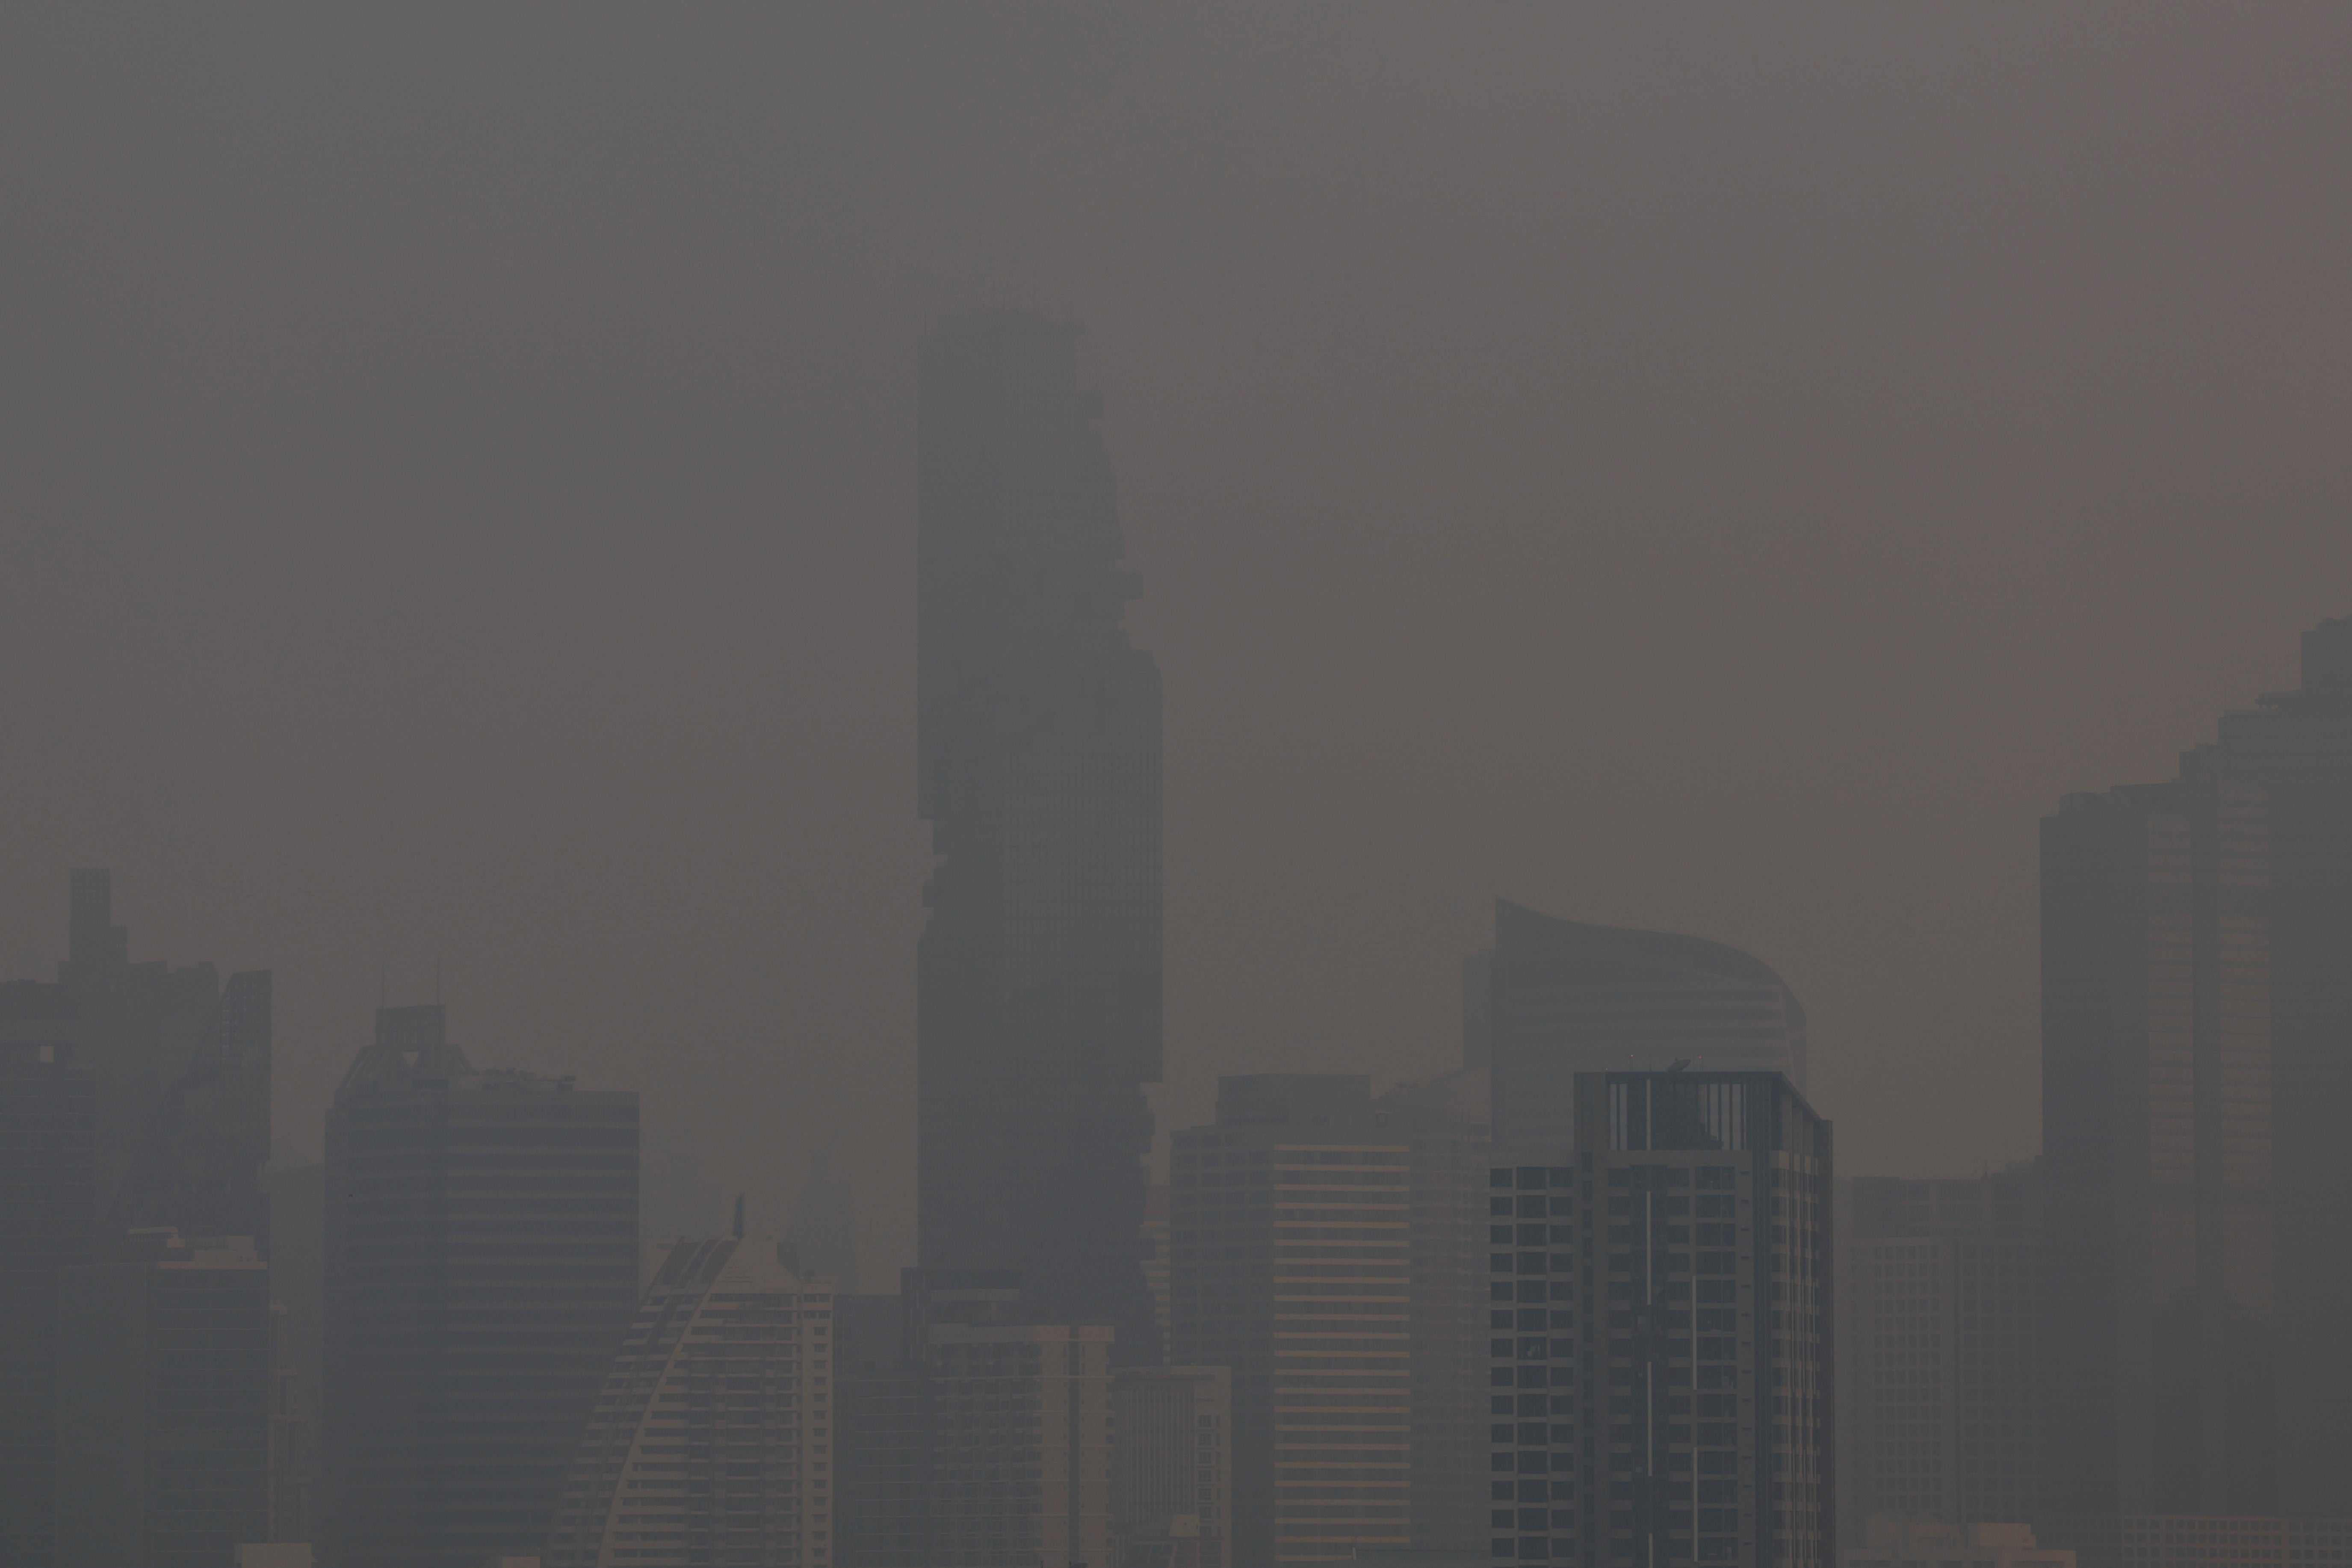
[
  {"x": 1043, "y": 785},
  {"x": 1894, "y": 535}
]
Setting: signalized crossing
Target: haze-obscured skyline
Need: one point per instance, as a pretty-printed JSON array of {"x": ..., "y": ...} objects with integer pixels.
[{"x": 1725, "y": 472}]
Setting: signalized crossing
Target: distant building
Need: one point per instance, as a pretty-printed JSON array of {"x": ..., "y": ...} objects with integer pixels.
[
  {"x": 2195, "y": 1014},
  {"x": 1888, "y": 1541},
  {"x": 1038, "y": 764},
  {"x": 1939, "y": 1348},
  {"x": 1660, "y": 1351},
  {"x": 1569, "y": 998},
  {"x": 297, "y": 1202},
  {"x": 1155, "y": 1255},
  {"x": 139, "y": 1095},
  {"x": 1020, "y": 1444},
  {"x": 883, "y": 1499},
  {"x": 481, "y": 1269},
  {"x": 1290, "y": 1223},
  {"x": 983, "y": 1439},
  {"x": 1443, "y": 1123},
  {"x": 1172, "y": 1467},
  {"x": 48, "y": 1222},
  {"x": 713, "y": 1439},
  {"x": 163, "y": 1404}
]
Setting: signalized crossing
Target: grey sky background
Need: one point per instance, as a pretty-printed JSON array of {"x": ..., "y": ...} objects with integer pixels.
[{"x": 1722, "y": 469}]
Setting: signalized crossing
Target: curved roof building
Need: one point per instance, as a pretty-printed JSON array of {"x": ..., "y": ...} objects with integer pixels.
[
  {"x": 711, "y": 1440},
  {"x": 1570, "y": 999}
]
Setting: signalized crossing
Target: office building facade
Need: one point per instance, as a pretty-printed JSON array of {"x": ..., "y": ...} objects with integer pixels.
[
  {"x": 1660, "y": 1301},
  {"x": 1038, "y": 743},
  {"x": 1171, "y": 1483},
  {"x": 713, "y": 1439},
  {"x": 1569, "y": 998},
  {"x": 481, "y": 1269},
  {"x": 163, "y": 1404},
  {"x": 2195, "y": 1092},
  {"x": 1940, "y": 1349},
  {"x": 1020, "y": 1443},
  {"x": 1443, "y": 1123},
  {"x": 1290, "y": 1224}
]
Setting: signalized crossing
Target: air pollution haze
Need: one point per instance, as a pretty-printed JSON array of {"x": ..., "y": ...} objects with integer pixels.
[{"x": 1714, "y": 470}]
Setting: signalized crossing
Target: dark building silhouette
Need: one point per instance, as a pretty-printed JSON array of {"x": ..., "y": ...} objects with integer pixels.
[
  {"x": 298, "y": 1204},
  {"x": 1570, "y": 999},
  {"x": 1939, "y": 1327},
  {"x": 138, "y": 1097},
  {"x": 163, "y": 1404},
  {"x": 48, "y": 1222},
  {"x": 2197, "y": 1003},
  {"x": 143, "y": 1025},
  {"x": 481, "y": 1272},
  {"x": 1038, "y": 741},
  {"x": 1660, "y": 1374}
]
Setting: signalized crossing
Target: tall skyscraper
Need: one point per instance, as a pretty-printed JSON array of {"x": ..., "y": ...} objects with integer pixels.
[
  {"x": 1570, "y": 999},
  {"x": 1938, "y": 1349},
  {"x": 481, "y": 1269},
  {"x": 48, "y": 1222},
  {"x": 163, "y": 1404},
  {"x": 1289, "y": 1227},
  {"x": 2195, "y": 944},
  {"x": 1661, "y": 1300},
  {"x": 713, "y": 1440},
  {"x": 1038, "y": 742}
]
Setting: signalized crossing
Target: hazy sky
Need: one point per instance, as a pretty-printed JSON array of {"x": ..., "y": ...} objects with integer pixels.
[{"x": 1728, "y": 469}]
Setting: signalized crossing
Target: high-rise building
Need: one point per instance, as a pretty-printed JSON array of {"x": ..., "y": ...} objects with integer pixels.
[
  {"x": 1038, "y": 742},
  {"x": 1569, "y": 998},
  {"x": 2195, "y": 1093},
  {"x": 1155, "y": 1255},
  {"x": 883, "y": 1503},
  {"x": 481, "y": 1269},
  {"x": 163, "y": 1404},
  {"x": 1938, "y": 1349},
  {"x": 983, "y": 1441},
  {"x": 1020, "y": 1444},
  {"x": 141, "y": 1091},
  {"x": 1171, "y": 1476},
  {"x": 1443, "y": 1122},
  {"x": 1290, "y": 1222},
  {"x": 1660, "y": 1312},
  {"x": 713, "y": 1439},
  {"x": 48, "y": 1222},
  {"x": 142, "y": 1025}
]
